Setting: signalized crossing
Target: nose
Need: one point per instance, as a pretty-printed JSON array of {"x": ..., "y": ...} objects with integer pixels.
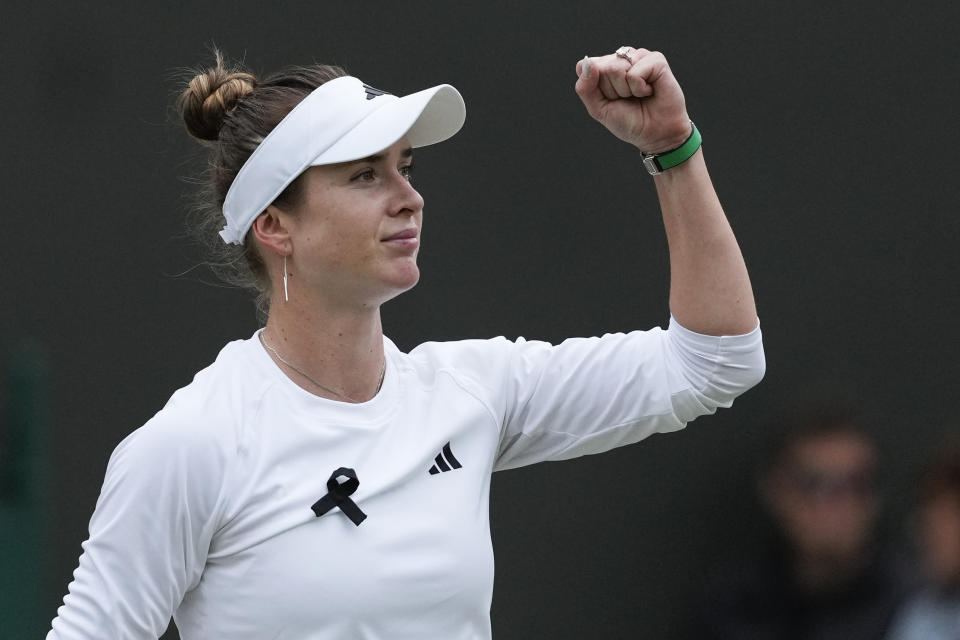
[{"x": 407, "y": 200}]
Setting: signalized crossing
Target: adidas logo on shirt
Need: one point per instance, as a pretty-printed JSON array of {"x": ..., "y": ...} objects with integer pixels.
[{"x": 445, "y": 461}]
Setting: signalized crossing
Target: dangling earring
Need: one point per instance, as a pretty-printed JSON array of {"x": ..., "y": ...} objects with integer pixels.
[{"x": 286, "y": 295}]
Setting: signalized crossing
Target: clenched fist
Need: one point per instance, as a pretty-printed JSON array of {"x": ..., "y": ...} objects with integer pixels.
[{"x": 633, "y": 94}]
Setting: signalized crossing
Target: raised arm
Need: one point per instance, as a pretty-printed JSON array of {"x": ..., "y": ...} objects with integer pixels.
[{"x": 635, "y": 95}]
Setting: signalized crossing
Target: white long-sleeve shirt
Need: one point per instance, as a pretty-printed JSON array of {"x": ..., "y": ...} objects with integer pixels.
[{"x": 205, "y": 512}]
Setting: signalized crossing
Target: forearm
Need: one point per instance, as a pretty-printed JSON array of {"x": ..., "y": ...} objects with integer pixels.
[
  {"x": 710, "y": 290},
  {"x": 634, "y": 94}
]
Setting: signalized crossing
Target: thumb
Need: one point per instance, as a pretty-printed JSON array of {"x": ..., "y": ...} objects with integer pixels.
[{"x": 588, "y": 86}]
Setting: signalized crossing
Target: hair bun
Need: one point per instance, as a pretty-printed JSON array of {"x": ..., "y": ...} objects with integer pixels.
[{"x": 210, "y": 95}]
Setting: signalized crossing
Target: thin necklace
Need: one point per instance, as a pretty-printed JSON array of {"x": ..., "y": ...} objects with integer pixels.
[{"x": 383, "y": 370}]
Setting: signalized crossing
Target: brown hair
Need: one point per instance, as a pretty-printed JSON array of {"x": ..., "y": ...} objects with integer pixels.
[
  {"x": 230, "y": 111},
  {"x": 820, "y": 421}
]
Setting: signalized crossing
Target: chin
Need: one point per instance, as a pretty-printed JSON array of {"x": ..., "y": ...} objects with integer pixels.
[
  {"x": 408, "y": 276},
  {"x": 402, "y": 282}
]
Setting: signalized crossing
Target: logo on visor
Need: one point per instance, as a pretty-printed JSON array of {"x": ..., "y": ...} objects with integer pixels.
[{"x": 373, "y": 93}]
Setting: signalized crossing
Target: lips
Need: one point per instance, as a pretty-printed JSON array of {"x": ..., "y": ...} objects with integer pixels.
[{"x": 406, "y": 234}]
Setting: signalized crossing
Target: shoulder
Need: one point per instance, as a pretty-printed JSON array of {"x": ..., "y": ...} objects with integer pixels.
[
  {"x": 477, "y": 368},
  {"x": 465, "y": 355},
  {"x": 489, "y": 363},
  {"x": 203, "y": 422},
  {"x": 499, "y": 361}
]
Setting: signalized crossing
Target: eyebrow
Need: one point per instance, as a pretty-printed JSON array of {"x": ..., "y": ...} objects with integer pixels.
[{"x": 378, "y": 157}]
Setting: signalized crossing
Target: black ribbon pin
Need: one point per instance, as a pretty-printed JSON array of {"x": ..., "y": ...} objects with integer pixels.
[{"x": 338, "y": 495}]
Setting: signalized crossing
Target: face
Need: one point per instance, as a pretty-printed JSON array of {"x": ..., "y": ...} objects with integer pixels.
[
  {"x": 825, "y": 496},
  {"x": 355, "y": 229},
  {"x": 940, "y": 537}
]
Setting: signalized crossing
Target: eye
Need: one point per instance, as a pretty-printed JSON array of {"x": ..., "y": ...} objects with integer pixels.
[
  {"x": 367, "y": 175},
  {"x": 407, "y": 172}
]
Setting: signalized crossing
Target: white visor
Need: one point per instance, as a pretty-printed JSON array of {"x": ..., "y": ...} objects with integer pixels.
[{"x": 340, "y": 121}]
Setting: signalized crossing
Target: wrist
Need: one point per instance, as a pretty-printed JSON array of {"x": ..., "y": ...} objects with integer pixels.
[
  {"x": 671, "y": 136},
  {"x": 657, "y": 163}
]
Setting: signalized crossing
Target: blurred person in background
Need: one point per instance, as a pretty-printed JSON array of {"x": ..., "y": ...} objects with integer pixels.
[
  {"x": 825, "y": 573},
  {"x": 934, "y": 613}
]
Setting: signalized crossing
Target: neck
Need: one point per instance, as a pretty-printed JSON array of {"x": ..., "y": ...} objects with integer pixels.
[{"x": 337, "y": 348}]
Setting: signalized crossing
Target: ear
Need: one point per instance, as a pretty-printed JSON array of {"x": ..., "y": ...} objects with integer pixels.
[{"x": 270, "y": 229}]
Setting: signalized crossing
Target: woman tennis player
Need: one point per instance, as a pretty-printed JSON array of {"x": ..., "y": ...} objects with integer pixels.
[{"x": 317, "y": 482}]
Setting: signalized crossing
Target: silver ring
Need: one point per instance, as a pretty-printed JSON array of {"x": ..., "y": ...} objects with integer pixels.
[{"x": 624, "y": 52}]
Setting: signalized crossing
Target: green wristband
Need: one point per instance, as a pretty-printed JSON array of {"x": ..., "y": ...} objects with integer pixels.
[{"x": 658, "y": 163}]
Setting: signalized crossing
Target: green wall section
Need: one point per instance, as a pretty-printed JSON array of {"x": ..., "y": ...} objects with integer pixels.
[{"x": 24, "y": 469}]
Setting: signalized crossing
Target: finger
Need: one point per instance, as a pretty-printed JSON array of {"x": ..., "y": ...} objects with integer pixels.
[
  {"x": 618, "y": 83},
  {"x": 639, "y": 87},
  {"x": 646, "y": 71},
  {"x": 613, "y": 82},
  {"x": 629, "y": 53},
  {"x": 587, "y": 86},
  {"x": 583, "y": 67},
  {"x": 611, "y": 70}
]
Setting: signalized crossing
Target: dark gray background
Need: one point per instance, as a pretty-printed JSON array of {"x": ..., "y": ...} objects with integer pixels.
[{"x": 830, "y": 130}]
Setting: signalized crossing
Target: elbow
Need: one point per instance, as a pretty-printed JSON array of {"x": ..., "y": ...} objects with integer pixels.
[
  {"x": 754, "y": 369},
  {"x": 717, "y": 370},
  {"x": 738, "y": 374}
]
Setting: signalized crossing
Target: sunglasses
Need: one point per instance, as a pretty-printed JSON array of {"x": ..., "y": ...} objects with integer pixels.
[{"x": 861, "y": 483}]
